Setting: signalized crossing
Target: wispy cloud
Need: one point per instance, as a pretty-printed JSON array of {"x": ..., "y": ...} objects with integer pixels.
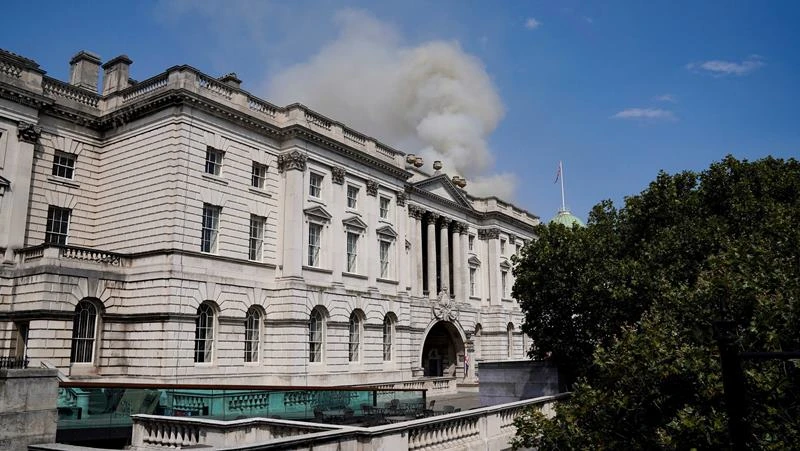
[
  {"x": 721, "y": 68},
  {"x": 652, "y": 114},
  {"x": 532, "y": 24},
  {"x": 588, "y": 19},
  {"x": 666, "y": 98}
]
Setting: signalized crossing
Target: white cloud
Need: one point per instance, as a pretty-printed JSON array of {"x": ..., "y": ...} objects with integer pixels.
[
  {"x": 532, "y": 24},
  {"x": 653, "y": 114},
  {"x": 720, "y": 68},
  {"x": 666, "y": 98},
  {"x": 588, "y": 19},
  {"x": 431, "y": 99}
]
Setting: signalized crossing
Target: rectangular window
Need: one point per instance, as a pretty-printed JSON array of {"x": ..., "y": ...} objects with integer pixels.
[
  {"x": 57, "y": 225},
  {"x": 503, "y": 280},
  {"x": 519, "y": 248},
  {"x": 352, "y": 196},
  {"x": 472, "y": 272},
  {"x": 213, "y": 160},
  {"x": 315, "y": 185},
  {"x": 502, "y": 246},
  {"x": 352, "y": 251},
  {"x": 384, "y": 207},
  {"x": 256, "y": 237},
  {"x": 208, "y": 242},
  {"x": 384, "y": 254},
  {"x": 314, "y": 235},
  {"x": 471, "y": 241},
  {"x": 259, "y": 175},
  {"x": 63, "y": 165}
]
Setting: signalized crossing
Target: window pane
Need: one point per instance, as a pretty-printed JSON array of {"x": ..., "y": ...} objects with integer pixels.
[
  {"x": 384, "y": 207},
  {"x": 314, "y": 236},
  {"x": 83, "y": 332},
  {"x": 259, "y": 175},
  {"x": 204, "y": 334},
  {"x": 213, "y": 161},
  {"x": 252, "y": 335},
  {"x": 352, "y": 251},
  {"x": 208, "y": 242},
  {"x": 352, "y": 196},
  {"x": 57, "y": 225},
  {"x": 63, "y": 165},
  {"x": 355, "y": 337},
  {"x": 256, "y": 237}
]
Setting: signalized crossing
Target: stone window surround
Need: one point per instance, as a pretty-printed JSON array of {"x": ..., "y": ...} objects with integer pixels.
[
  {"x": 214, "y": 161},
  {"x": 85, "y": 331}
]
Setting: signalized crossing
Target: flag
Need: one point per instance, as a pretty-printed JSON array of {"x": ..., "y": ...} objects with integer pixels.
[{"x": 558, "y": 173}]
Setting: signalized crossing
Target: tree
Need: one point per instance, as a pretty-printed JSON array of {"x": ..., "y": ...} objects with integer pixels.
[{"x": 627, "y": 307}]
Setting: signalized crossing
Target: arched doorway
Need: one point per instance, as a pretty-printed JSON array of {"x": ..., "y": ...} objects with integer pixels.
[{"x": 443, "y": 351}]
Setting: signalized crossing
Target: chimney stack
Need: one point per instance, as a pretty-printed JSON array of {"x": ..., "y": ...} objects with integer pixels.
[
  {"x": 231, "y": 80},
  {"x": 116, "y": 74},
  {"x": 84, "y": 70}
]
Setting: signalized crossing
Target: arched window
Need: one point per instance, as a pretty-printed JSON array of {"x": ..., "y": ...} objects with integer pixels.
[
  {"x": 355, "y": 337},
  {"x": 316, "y": 335},
  {"x": 252, "y": 335},
  {"x": 510, "y": 344},
  {"x": 388, "y": 337},
  {"x": 84, "y": 330},
  {"x": 204, "y": 334}
]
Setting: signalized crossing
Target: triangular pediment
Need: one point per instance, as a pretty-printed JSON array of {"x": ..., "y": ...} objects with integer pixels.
[
  {"x": 505, "y": 264},
  {"x": 474, "y": 261},
  {"x": 4, "y": 182},
  {"x": 387, "y": 231},
  {"x": 354, "y": 222},
  {"x": 318, "y": 212},
  {"x": 441, "y": 187}
]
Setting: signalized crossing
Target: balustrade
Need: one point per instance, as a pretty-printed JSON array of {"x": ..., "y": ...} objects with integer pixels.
[
  {"x": 259, "y": 105},
  {"x": 214, "y": 86},
  {"x": 144, "y": 88}
]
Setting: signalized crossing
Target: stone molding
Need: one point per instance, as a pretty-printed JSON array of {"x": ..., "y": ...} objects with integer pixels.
[
  {"x": 292, "y": 160},
  {"x": 432, "y": 217},
  {"x": 446, "y": 221},
  {"x": 461, "y": 228},
  {"x": 401, "y": 198},
  {"x": 512, "y": 238},
  {"x": 372, "y": 188},
  {"x": 415, "y": 212},
  {"x": 28, "y": 132},
  {"x": 489, "y": 234},
  {"x": 337, "y": 175}
]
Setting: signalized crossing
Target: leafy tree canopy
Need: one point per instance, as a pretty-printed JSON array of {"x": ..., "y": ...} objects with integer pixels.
[{"x": 625, "y": 307}]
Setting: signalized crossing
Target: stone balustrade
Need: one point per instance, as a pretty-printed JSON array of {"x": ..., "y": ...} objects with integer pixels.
[
  {"x": 56, "y": 88},
  {"x": 434, "y": 386},
  {"x": 55, "y": 251},
  {"x": 486, "y": 428}
]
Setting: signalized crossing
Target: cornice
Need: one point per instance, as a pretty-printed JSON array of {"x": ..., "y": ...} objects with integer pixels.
[{"x": 24, "y": 97}]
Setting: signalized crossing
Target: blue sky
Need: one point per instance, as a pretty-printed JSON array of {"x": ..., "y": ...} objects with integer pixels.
[{"x": 617, "y": 90}]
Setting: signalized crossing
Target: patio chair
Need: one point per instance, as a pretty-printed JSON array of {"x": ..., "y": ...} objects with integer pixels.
[{"x": 448, "y": 409}]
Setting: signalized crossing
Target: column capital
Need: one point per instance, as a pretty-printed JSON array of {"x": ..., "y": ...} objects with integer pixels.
[
  {"x": 512, "y": 238},
  {"x": 337, "y": 175},
  {"x": 445, "y": 221},
  {"x": 28, "y": 132},
  {"x": 433, "y": 217},
  {"x": 401, "y": 199},
  {"x": 293, "y": 159},
  {"x": 372, "y": 188},
  {"x": 414, "y": 211},
  {"x": 463, "y": 227},
  {"x": 489, "y": 234}
]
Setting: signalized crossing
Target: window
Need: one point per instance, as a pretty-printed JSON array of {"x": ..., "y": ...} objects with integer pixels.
[
  {"x": 519, "y": 248},
  {"x": 316, "y": 334},
  {"x": 384, "y": 207},
  {"x": 385, "y": 246},
  {"x": 208, "y": 242},
  {"x": 503, "y": 280},
  {"x": 352, "y": 251},
  {"x": 256, "y": 237},
  {"x": 315, "y": 185},
  {"x": 388, "y": 337},
  {"x": 252, "y": 335},
  {"x": 213, "y": 160},
  {"x": 472, "y": 272},
  {"x": 510, "y": 340},
  {"x": 57, "y": 225},
  {"x": 204, "y": 334},
  {"x": 355, "y": 337},
  {"x": 471, "y": 241},
  {"x": 314, "y": 235},
  {"x": 259, "y": 176},
  {"x": 84, "y": 328},
  {"x": 352, "y": 196},
  {"x": 502, "y": 246},
  {"x": 63, "y": 165}
]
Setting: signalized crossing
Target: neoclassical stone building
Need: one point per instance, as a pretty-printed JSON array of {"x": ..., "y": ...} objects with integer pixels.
[{"x": 180, "y": 229}]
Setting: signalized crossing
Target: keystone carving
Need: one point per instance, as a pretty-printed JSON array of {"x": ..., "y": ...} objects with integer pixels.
[
  {"x": 28, "y": 132},
  {"x": 337, "y": 175},
  {"x": 372, "y": 188},
  {"x": 292, "y": 160},
  {"x": 445, "y": 308},
  {"x": 401, "y": 199}
]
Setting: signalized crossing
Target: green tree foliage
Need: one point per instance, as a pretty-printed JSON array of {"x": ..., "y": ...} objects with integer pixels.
[{"x": 626, "y": 307}]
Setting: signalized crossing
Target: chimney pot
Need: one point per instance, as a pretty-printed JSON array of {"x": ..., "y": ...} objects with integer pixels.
[{"x": 84, "y": 70}]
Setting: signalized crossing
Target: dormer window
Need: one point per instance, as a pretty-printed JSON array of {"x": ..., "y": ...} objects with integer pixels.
[{"x": 63, "y": 165}]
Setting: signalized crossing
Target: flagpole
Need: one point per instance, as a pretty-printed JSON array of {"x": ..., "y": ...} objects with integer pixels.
[{"x": 561, "y": 171}]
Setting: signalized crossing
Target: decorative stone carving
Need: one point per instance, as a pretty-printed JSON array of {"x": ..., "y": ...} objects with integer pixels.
[
  {"x": 446, "y": 221},
  {"x": 512, "y": 238},
  {"x": 432, "y": 217},
  {"x": 445, "y": 308},
  {"x": 489, "y": 234},
  {"x": 372, "y": 188},
  {"x": 292, "y": 160},
  {"x": 28, "y": 132},
  {"x": 415, "y": 212},
  {"x": 401, "y": 199},
  {"x": 337, "y": 175},
  {"x": 463, "y": 228}
]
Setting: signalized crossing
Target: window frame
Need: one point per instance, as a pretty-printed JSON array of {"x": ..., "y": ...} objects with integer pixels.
[
  {"x": 316, "y": 336},
  {"x": 314, "y": 249},
  {"x": 256, "y": 243},
  {"x": 383, "y": 210},
  {"x": 252, "y": 335},
  {"x": 351, "y": 264},
  {"x": 355, "y": 337},
  {"x": 388, "y": 338},
  {"x": 59, "y": 166},
  {"x": 471, "y": 242},
  {"x": 258, "y": 175},
  {"x": 384, "y": 259},
  {"x": 214, "y": 161},
  {"x": 504, "y": 283},
  {"x": 60, "y": 236},
  {"x": 210, "y": 220},
  {"x": 204, "y": 334},
  {"x": 84, "y": 333},
  {"x": 510, "y": 339},
  {"x": 473, "y": 273},
  {"x": 352, "y": 201},
  {"x": 315, "y": 190}
]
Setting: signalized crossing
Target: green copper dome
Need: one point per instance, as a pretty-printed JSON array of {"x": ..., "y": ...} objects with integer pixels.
[{"x": 566, "y": 218}]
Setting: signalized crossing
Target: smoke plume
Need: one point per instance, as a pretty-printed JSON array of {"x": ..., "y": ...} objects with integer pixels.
[{"x": 432, "y": 99}]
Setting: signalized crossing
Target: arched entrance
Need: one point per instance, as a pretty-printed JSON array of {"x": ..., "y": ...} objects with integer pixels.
[{"x": 443, "y": 351}]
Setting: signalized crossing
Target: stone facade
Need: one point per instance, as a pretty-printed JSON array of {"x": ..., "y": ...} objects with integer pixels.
[{"x": 180, "y": 229}]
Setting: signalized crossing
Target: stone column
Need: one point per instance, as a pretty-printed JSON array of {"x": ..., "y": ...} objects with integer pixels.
[
  {"x": 19, "y": 164},
  {"x": 458, "y": 262},
  {"x": 444, "y": 235},
  {"x": 293, "y": 164},
  {"x": 416, "y": 249},
  {"x": 493, "y": 265},
  {"x": 339, "y": 198},
  {"x": 432, "y": 217},
  {"x": 463, "y": 232}
]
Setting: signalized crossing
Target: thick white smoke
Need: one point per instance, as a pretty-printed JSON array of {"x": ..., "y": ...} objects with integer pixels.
[{"x": 432, "y": 99}]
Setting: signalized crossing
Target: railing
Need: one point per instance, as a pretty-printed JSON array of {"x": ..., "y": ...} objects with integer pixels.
[
  {"x": 261, "y": 106},
  {"x": 385, "y": 151},
  {"x": 166, "y": 433},
  {"x": 13, "y": 363},
  {"x": 214, "y": 86},
  {"x": 56, "y": 88},
  {"x": 350, "y": 135},
  {"x": 30, "y": 253},
  {"x": 461, "y": 430},
  {"x": 10, "y": 69},
  {"x": 434, "y": 386},
  {"x": 317, "y": 120},
  {"x": 79, "y": 253},
  {"x": 145, "y": 87}
]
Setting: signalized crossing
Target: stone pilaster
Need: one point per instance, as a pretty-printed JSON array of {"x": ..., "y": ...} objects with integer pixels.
[
  {"x": 458, "y": 258},
  {"x": 444, "y": 258},
  {"x": 491, "y": 236},
  {"x": 19, "y": 164},
  {"x": 463, "y": 231},
  {"x": 415, "y": 213},
  {"x": 293, "y": 165},
  {"x": 432, "y": 218}
]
